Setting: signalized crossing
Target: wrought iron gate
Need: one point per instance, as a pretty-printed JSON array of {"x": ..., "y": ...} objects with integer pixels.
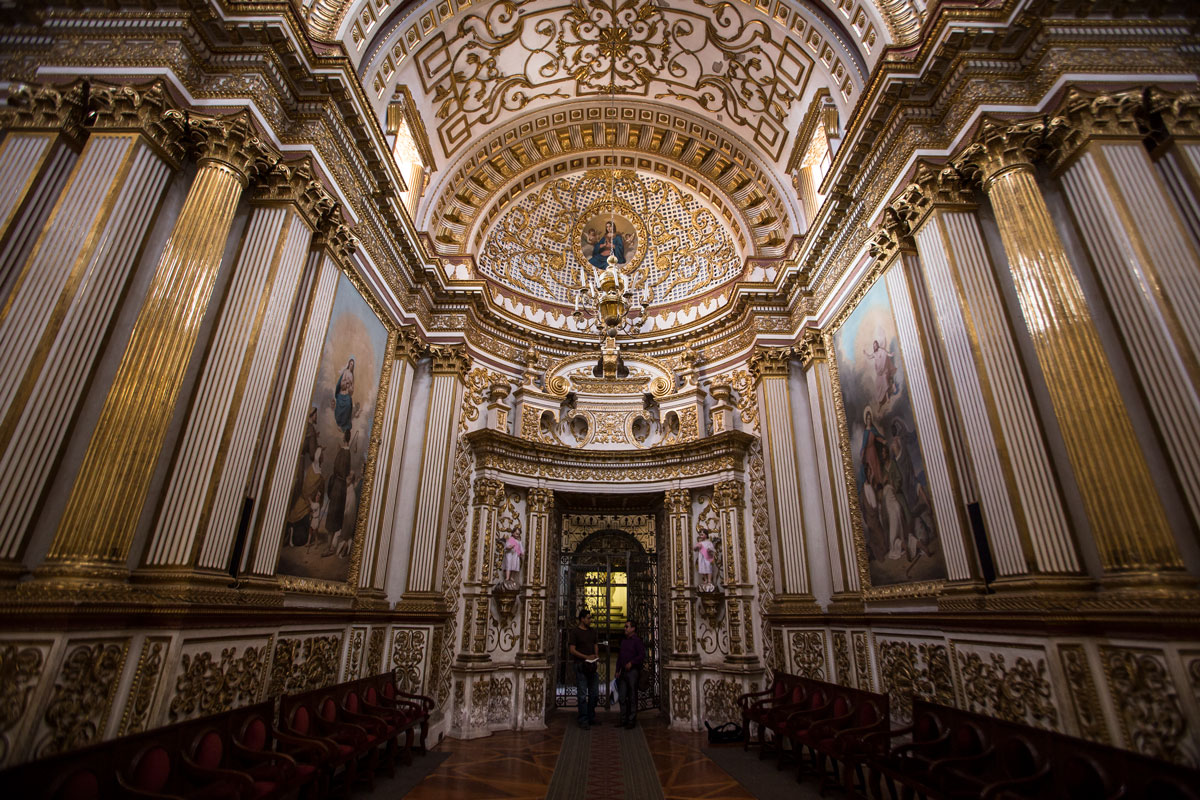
[{"x": 611, "y": 574}]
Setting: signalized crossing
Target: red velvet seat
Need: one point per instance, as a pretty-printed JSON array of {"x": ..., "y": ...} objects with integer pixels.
[
  {"x": 403, "y": 716},
  {"x": 789, "y": 721},
  {"x": 254, "y": 739},
  {"x": 841, "y": 739},
  {"x": 299, "y": 721},
  {"x": 156, "y": 773},
  {"x": 211, "y": 751},
  {"x": 755, "y": 706},
  {"x": 351, "y": 708},
  {"x": 419, "y": 706}
]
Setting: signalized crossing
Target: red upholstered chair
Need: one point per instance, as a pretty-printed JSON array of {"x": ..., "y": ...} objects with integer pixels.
[
  {"x": 351, "y": 708},
  {"x": 1015, "y": 761},
  {"x": 756, "y": 705},
  {"x": 334, "y": 724},
  {"x": 156, "y": 774},
  {"x": 879, "y": 754},
  {"x": 212, "y": 754},
  {"x": 419, "y": 705},
  {"x": 797, "y": 719},
  {"x": 253, "y": 740},
  {"x": 404, "y": 717},
  {"x": 920, "y": 766},
  {"x": 299, "y": 723},
  {"x": 769, "y": 715},
  {"x": 83, "y": 783},
  {"x": 841, "y": 740},
  {"x": 840, "y": 712}
]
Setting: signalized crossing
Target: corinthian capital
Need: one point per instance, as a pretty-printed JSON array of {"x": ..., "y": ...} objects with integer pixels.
[
  {"x": 770, "y": 362},
  {"x": 1001, "y": 146},
  {"x": 729, "y": 494},
  {"x": 488, "y": 492},
  {"x": 335, "y": 238},
  {"x": 295, "y": 183},
  {"x": 811, "y": 348},
  {"x": 1179, "y": 113},
  {"x": 141, "y": 109},
  {"x": 1093, "y": 115},
  {"x": 47, "y": 108},
  {"x": 540, "y": 501},
  {"x": 230, "y": 141},
  {"x": 678, "y": 501},
  {"x": 409, "y": 344},
  {"x": 450, "y": 360}
]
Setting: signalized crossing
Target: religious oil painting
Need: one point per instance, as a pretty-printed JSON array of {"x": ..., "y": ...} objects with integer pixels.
[
  {"x": 899, "y": 533},
  {"x": 318, "y": 536},
  {"x": 608, "y": 233}
]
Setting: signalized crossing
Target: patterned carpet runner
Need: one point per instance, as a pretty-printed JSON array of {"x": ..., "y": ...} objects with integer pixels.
[{"x": 604, "y": 763}]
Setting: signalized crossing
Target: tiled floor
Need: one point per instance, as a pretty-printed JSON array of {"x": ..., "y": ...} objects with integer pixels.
[{"x": 520, "y": 765}]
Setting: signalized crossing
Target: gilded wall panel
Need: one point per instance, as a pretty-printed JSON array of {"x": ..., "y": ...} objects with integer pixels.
[
  {"x": 216, "y": 675},
  {"x": 355, "y": 651},
  {"x": 862, "y": 659},
  {"x": 1085, "y": 700},
  {"x": 535, "y": 698},
  {"x": 1007, "y": 682},
  {"x": 375, "y": 644},
  {"x": 22, "y": 667},
  {"x": 146, "y": 679},
  {"x": 913, "y": 666},
  {"x": 304, "y": 661},
  {"x": 85, "y": 685},
  {"x": 720, "y": 700},
  {"x": 808, "y": 654},
  {"x": 1149, "y": 708},
  {"x": 410, "y": 647},
  {"x": 681, "y": 698},
  {"x": 841, "y": 659}
]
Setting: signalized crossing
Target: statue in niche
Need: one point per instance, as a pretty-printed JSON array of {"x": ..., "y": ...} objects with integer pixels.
[
  {"x": 706, "y": 561},
  {"x": 513, "y": 550}
]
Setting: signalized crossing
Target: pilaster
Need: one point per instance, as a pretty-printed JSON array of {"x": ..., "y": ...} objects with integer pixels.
[
  {"x": 65, "y": 296},
  {"x": 1019, "y": 495},
  {"x": 1118, "y": 492},
  {"x": 1146, "y": 262},
  {"x": 94, "y": 535}
]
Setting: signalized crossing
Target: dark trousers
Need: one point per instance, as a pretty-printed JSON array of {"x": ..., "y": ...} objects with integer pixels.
[
  {"x": 627, "y": 692},
  {"x": 587, "y": 693}
]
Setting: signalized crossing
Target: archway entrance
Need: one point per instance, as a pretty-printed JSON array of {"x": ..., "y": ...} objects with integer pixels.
[{"x": 612, "y": 573}]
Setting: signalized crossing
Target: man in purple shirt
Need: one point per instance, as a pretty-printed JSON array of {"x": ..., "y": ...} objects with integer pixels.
[{"x": 629, "y": 669}]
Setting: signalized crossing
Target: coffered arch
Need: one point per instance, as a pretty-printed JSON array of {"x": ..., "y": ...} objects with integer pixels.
[{"x": 761, "y": 214}]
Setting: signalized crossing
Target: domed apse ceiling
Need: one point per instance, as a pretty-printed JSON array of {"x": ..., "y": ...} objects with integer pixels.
[{"x": 697, "y": 103}]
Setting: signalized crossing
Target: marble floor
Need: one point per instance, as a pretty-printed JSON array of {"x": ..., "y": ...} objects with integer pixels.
[{"x": 522, "y": 765}]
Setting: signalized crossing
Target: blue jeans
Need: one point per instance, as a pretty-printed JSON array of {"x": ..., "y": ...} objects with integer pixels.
[
  {"x": 627, "y": 692},
  {"x": 587, "y": 693}
]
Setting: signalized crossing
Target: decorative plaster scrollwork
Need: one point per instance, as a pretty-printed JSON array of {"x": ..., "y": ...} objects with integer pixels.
[
  {"x": 20, "y": 668},
  {"x": 83, "y": 695},
  {"x": 303, "y": 664},
  {"x": 1084, "y": 697},
  {"x": 908, "y": 669},
  {"x": 207, "y": 686},
  {"x": 720, "y": 701},
  {"x": 808, "y": 654},
  {"x": 535, "y": 697},
  {"x": 841, "y": 658},
  {"x": 1021, "y": 693},
  {"x": 375, "y": 650},
  {"x": 681, "y": 698},
  {"x": 1147, "y": 703},
  {"x": 408, "y": 656}
]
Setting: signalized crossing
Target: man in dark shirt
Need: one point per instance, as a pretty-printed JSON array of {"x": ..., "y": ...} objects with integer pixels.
[
  {"x": 581, "y": 644},
  {"x": 629, "y": 670}
]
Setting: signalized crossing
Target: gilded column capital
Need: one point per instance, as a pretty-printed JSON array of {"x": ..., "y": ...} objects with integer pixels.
[
  {"x": 678, "y": 501},
  {"x": 729, "y": 494},
  {"x": 1001, "y": 146},
  {"x": 540, "y": 500},
  {"x": 141, "y": 109},
  {"x": 1179, "y": 113},
  {"x": 489, "y": 492},
  {"x": 933, "y": 186},
  {"x": 770, "y": 362},
  {"x": 48, "y": 108},
  {"x": 334, "y": 237},
  {"x": 295, "y": 184},
  {"x": 1088, "y": 116},
  {"x": 811, "y": 348},
  {"x": 229, "y": 141},
  {"x": 409, "y": 345},
  {"x": 450, "y": 360}
]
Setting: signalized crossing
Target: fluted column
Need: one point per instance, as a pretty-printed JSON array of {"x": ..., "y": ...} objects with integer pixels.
[
  {"x": 1146, "y": 263},
  {"x": 449, "y": 367},
  {"x": 381, "y": 524},
  {"x": 1179, "y": 156},
  {"x": 331, "y": 249},
  {"x": 66, "y": 295},
  {"x": 679, "y": 543},
  {"x": 729, "y": 500},
  {"x": 198, "y": 516},
  {"x": 98, "y": 524},
  {"x": 1118, "y": 491},
  {"x": 770, "y": 369},
  {"x": 487, "y": 503},
  {"x": 539, "y": 504},
  {"x": 814, "y": 360},
  {"x": 43, "y": 133},
  {"x": 1019, "y": 497}
]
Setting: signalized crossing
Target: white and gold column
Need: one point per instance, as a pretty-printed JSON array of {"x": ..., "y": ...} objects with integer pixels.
[
  {"x": 1145, "y": 261},
  {"x": 843, "y": 563},
  {"x": 198, "y": 516},
  {"x": 1019, "y": 497},
  {"x": 98, "y": 524},
  {"x": 729, "y": 500},
  {"x": 449, "y": 366},
  {"x": 1119, "y": 495},
  {"x": 539, "y": 504},
  {"x": 66, "y": 295},
  {"x": 1178, "y": 158},
  {"x": 381, "y": 524},
  {"x": 331, "y": 250},
  {"x": 679, "y": 558},
  {"x": 43, "y": 133}
]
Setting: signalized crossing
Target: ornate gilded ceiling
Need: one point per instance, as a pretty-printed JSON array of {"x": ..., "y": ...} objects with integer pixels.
[{"x": 700, "y": 99}]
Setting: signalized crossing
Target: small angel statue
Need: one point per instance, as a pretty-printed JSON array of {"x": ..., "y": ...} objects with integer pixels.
[{"x": 513, "y": 550}]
